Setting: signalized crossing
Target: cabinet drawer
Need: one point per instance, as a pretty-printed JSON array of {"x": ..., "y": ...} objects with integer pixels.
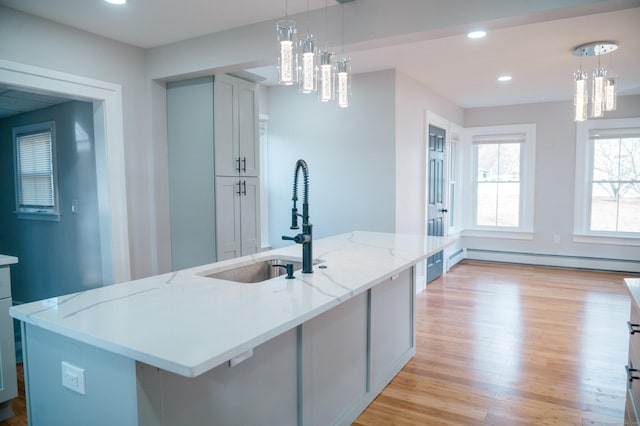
[{"x": 5, "y": 282}]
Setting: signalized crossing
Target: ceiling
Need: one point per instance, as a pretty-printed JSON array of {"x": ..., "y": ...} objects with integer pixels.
[
  {"x": 14, "y": 102},
  {"x": 538, "y": 55}
]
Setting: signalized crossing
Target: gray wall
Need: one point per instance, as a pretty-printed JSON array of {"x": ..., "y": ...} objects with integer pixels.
[
  {"x": 554, "y": 179},
  {"x": 351, "y": 157},
  {"x": 62, "y": 257}
]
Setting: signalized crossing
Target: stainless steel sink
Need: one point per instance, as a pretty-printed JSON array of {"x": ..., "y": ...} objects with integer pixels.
[{"x": 256, "y": 272}]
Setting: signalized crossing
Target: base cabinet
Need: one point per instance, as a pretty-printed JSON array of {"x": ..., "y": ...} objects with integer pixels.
[
  {"x": 237, "y": 216},
  {"x": 8, "y": 381}
]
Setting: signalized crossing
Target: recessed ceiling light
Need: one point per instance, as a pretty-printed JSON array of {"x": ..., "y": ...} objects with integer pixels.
[
  {"x": 116, "y": 1},
  {"x": 477, "y": 34},
  {"x": 504, "y": 78}
]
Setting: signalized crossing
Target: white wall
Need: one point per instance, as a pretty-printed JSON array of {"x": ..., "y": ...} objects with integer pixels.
[
  {"x": 554, "y": 187},
  {"x": 413, "y": 99},
  {"x": 30, "y": 40},
  {"x": 350, "y": 153}
]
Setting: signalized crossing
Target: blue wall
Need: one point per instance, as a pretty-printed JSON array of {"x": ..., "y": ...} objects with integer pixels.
[{"x": 55, "y": 258}]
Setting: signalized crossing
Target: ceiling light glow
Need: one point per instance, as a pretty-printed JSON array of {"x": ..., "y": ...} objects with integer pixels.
[
  {"x": 504, "y": 78},
  {"x": 116, "y": 1},
  {"x": 477, "y": 34}
]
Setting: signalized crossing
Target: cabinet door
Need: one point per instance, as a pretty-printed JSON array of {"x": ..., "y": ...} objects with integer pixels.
[
  {"x": 248, "y": 129},
  {"x": 228, "y": 217},
  {"x": 225, "y": 123},
  {"x": 8, "y": 382},
  {"x": 250, "y": 215}
]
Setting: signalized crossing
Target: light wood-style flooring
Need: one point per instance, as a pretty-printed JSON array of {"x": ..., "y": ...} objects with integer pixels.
[
  {"x": 513, "y": 345},
  {"x": 505, "y": 345}
]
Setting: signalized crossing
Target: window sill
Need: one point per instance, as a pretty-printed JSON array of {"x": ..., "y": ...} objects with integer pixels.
[
  {"x": 498, "y": 233},
  {"x": 47, "y": 217},
  {"x": 617, "y": 240}
]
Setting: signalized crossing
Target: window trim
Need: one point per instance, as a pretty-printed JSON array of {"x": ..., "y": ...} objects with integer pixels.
[
  {"x": 527, "y": 181},
  {"x": 582, "y": 196},
  {"x": 33, "y": 213}
]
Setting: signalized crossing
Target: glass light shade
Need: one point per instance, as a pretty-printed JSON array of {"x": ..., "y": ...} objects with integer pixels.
[
  {"x": 325, "y": 77},
  {"x": 580, "y": 97},
  {"x": 343, "y": 86},
  {"x": 610, "y": 96},
  {"x": 597, "y": 92},
  {"x": 308, "y": 78},
  {"x": 287, "y": 57}
]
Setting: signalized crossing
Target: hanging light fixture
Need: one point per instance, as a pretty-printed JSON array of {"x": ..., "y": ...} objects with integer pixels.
[
  {"x": 287, "y": 55},
  {"x": 343, "y": 72},
  {"x": 580, "y": 97},
  {"x": 603, "y": 86},
  {"x": 325, "y": 69},
  {"x": 308, "y": 65}
]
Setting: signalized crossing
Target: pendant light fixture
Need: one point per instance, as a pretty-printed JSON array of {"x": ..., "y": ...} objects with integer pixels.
[
  {"x": 287, "y": 55},
  {"x": 343, "y": 72},
  {"x": 580, "y": 97},
  {"x": 325, "y": 71},
  {"x": 308, "y": 65},
  {"x": 603, "y": 85}
]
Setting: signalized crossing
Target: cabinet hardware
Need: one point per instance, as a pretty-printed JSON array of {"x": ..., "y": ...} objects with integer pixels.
[
  {"x": 630, "y": 372},
  {"x": 633, "y": 328},
  {"x": 238, "y": 168},
  {"x": 244, "y": 164},
  {"x": 244, "y": 187},
  {"x": 239, "y": 189}
]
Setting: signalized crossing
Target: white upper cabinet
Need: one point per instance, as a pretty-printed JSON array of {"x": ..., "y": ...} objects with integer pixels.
[{"x": 236, "y": 127}]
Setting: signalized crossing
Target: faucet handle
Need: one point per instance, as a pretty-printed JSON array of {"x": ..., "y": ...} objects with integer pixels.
[{"x": 300, "y": 238}]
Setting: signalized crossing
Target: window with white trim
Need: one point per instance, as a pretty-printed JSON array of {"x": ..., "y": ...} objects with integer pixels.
[
  {"x": 503, "y": 177},
  {"x": 35, "y": 171},
  {"x": 608, "y": 178}
]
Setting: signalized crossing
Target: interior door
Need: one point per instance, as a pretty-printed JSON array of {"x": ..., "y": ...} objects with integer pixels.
[{"x": 435, "y": 201}]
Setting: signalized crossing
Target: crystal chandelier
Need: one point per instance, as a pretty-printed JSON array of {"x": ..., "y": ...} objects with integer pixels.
[
  {"x": 312, "y": 70},
  {"x": 603, "y": 85}
]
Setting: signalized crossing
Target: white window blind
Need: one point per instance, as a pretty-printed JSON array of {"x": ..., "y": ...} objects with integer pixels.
[
  {"x": 36, "y": 170},
  {"x": 35, "y": 165}
]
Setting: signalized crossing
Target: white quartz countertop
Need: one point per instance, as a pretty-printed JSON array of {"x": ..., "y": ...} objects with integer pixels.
[
  {"x": 187, "y": 323},
  {"x": 633, "y": 285},
  {"x": 7, "y": 260}
]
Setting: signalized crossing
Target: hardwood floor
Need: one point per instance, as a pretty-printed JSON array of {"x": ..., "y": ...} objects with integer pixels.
[
  {"x": 19, "y": 404},
  {"x": 505, "y": 345},
  {"x": 513, "y": 345}
]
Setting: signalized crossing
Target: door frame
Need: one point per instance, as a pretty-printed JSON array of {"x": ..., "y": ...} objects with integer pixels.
[{"x": 109, "y": 147}]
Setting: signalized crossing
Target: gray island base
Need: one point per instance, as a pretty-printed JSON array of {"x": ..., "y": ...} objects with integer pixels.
[{"x": 315, "y": 350}]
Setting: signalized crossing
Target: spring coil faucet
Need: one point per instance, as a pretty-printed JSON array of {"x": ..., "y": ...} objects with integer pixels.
[{"x": 304, "y": 238}]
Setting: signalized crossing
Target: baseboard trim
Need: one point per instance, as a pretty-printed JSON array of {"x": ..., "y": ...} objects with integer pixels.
[{"x": 556, "y": 260}]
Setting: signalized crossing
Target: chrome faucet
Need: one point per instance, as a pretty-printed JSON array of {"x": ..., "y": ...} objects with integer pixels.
[{"x": 305, "y": 237}]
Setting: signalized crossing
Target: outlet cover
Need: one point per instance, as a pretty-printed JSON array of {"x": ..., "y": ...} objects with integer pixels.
[{"x": 73, "y": 378}]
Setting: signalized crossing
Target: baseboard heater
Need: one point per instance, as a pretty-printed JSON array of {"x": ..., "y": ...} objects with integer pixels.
[{"x": 555, "y": 260}]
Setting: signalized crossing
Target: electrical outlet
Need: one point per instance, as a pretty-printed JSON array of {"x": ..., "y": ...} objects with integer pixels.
[
  {"x": 73, "y": 378},
  {"x": 556, "y": 239}
]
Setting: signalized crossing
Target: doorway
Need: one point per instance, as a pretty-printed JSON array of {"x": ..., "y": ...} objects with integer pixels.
[
  {"x": 435, "y": 196},
  {"x": 109, "y": 142}
]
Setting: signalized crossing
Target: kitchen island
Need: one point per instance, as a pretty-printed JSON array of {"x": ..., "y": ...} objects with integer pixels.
[{"x": 183, "y": 348}]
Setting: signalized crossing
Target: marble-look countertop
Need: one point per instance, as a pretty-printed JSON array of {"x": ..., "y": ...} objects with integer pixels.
[
  {"x": 7, "y": 260},
  {"x": 187, "y": 323},
  {"x": 633, "y": 285}
]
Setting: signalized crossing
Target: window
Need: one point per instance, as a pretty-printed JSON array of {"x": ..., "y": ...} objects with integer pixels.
[
  {"x": 36, "y": 182},
  {"x": 503, "y": 181},
  {"x": 608, "y": 179}
]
